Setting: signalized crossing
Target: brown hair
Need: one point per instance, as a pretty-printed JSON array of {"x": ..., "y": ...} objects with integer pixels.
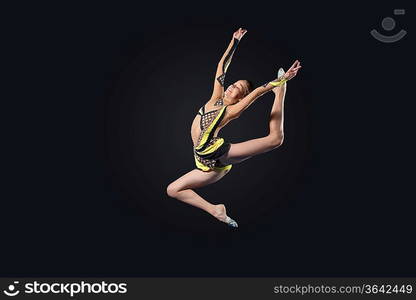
[{"x": 249, "y": 85}]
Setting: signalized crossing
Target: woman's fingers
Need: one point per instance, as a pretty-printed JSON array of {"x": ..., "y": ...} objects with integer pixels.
[
  {"x": 294, "y": 64},
  {"x": 292, "y": 72},
  {"x": 240, "y": 32}
]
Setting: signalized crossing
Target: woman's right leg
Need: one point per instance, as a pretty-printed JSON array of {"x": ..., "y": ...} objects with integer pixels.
[{"x": 242, "y": 151}]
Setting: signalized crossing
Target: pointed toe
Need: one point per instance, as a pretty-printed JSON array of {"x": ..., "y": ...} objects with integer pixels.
[{"x": 231, "y": 222}]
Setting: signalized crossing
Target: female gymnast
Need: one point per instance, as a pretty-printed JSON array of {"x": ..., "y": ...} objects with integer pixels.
[{"x": 213, "y": 155}]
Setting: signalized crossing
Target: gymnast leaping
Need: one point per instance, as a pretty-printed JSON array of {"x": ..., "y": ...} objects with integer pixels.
[{"x": 212, "y": 154}]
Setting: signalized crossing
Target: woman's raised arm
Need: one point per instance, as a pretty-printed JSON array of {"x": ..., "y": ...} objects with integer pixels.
[{"x": 224, "y": 63}]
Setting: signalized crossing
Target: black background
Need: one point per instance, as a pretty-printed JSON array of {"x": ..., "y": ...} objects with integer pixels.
[{"x": 102, "y": 99}]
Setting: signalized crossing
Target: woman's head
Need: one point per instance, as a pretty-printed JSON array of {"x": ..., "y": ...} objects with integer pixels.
[{"x": 238, "y": 90}]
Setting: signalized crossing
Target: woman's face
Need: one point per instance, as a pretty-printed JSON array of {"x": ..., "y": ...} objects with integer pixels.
[{"x": 237, "y": 90}]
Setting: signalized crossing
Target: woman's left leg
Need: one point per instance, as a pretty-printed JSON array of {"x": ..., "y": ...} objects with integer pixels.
[{"x": 181, "y": 189}]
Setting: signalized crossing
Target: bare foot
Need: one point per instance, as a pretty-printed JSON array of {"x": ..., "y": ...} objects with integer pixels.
[{"x": 220, "y": 214}]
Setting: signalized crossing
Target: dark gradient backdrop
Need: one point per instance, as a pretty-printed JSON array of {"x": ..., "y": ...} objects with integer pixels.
[
  {"x": 109, "y": 96},
  {"x": 148, "y": 115}
]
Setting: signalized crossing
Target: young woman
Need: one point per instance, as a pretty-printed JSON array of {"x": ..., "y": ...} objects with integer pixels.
[{"x": 213, "y": 155}]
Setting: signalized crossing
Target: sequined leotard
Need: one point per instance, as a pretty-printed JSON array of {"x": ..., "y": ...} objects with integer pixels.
[{"x": 209, "y": 148}]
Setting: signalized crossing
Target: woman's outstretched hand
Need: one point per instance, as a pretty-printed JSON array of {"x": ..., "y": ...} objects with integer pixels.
[
  {"x": 239, "y": 33},
  {"x": 292, "y": 71}
]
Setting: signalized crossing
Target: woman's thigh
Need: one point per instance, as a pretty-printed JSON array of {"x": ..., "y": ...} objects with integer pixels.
[
  {"x": 241, "y": 151},
  {"x": 196, "y": 179}
]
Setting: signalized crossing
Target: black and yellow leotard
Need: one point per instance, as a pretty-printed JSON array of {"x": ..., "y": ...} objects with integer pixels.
[{"x": 209, "y": 148}]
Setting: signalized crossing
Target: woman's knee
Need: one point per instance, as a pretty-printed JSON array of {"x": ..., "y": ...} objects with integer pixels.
[{"x": 172, "y": 190}]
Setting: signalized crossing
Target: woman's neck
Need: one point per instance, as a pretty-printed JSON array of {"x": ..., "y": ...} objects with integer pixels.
[{"x": 228, "y": 101}]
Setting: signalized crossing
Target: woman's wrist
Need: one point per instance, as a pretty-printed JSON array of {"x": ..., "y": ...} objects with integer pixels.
[{"x": 278, "y": 82}]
